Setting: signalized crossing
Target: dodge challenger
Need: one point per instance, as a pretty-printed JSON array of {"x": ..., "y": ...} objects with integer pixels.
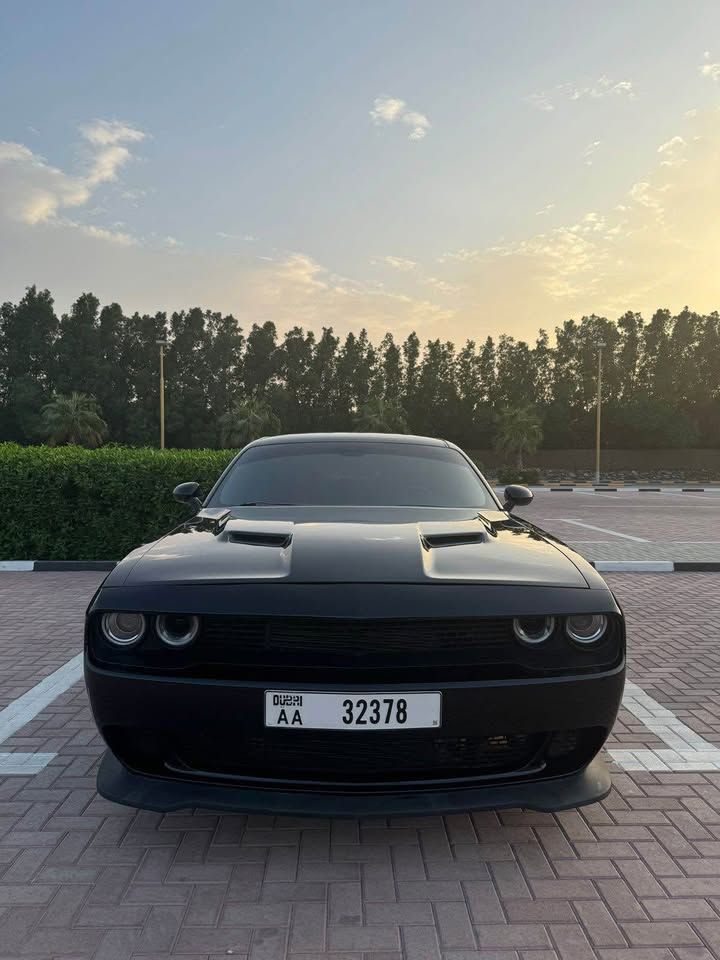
[{"x": 354, "y": 624}]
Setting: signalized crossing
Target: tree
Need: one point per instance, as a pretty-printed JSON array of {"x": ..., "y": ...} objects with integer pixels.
[
  {"x": 112, "y": 387},
  {"x": 260, "y": 366},
  {"x": 78, "y": 351},
  {"x": 140, "y": 355},
  {"x": 246, "y": 420},
  {"x": 73, "y": 419},
  {"x": 519, "y": 431},
  {"x": 661, "y": 377},
  {"x": 188, "y": 376},
  {"x": 381, "y": 416},
  {"x": 28, "y": 334}
]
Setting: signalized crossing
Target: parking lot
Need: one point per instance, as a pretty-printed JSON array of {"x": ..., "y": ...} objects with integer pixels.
[
  {"x": 636, "y": 877},
  {"x": 629, "y": 525}
]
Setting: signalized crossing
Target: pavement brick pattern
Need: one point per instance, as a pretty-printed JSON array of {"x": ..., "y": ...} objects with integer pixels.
[
  {"x": 634, "y": 878},
  {"x": 40, "y": 626}
]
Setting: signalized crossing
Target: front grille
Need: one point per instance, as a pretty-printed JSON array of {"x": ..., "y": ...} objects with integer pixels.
[
  {"x": 359, "y": 639},
  {"x": 362, "y": 758}
]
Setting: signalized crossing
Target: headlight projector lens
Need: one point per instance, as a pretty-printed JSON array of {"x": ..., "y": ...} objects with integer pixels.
[
  {"x": 586, "y": 627},
  {"x": 177, "y": 629},
  {"x": 533, "y": 630},
  {"x": 123, "y": 629}
]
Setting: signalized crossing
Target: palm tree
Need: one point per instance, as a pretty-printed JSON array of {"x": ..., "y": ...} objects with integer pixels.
[
  {"x": 247, "y": 419},
  {"x": 381, "y": 416},
  {"x": 74, "y": 418},
  {"x": 519, "y": 431}
]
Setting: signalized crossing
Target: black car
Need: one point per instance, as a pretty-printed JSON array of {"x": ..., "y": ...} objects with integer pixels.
[{"x": 354, "y": 624}]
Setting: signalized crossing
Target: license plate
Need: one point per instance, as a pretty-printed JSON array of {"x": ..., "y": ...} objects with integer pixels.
[{"x": 295, "y": 710}]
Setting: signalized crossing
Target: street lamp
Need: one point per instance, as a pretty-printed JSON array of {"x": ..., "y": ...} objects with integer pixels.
[
  {"x": 162, "y": 344},
  {"x": 600, "y": 346}
]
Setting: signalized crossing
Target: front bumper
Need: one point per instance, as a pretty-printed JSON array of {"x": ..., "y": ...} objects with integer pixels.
[
  {"x": 115, "y": 782},
  {"x": 177, "y": 743}
]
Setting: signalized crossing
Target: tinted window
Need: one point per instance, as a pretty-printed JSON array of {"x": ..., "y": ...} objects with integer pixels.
[{"x": 352, "y": 474}]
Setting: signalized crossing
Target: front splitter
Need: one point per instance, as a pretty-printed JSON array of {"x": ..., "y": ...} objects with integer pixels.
[{"x": 115, "y": 782}]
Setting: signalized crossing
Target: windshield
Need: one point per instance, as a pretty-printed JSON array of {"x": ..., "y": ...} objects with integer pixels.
[{"x": 352, "y": 474}]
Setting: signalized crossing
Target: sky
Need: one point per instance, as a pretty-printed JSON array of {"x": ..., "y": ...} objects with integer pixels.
[{"x": 460, "y": 169}]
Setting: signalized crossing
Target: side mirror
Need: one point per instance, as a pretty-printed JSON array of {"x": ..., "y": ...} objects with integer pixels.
[
  {"x": 517, "y": 496},
  {"x": 187, "y": 493}
]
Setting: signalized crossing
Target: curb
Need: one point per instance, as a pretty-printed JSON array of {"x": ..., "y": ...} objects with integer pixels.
[
  {"x": 569, "y": 488},
  {"x": 46, "y": 566},
  {"x": 655, "y": 566}
]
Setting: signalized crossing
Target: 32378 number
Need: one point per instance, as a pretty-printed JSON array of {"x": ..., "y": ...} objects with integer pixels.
[{"x": 361, "y": 712}]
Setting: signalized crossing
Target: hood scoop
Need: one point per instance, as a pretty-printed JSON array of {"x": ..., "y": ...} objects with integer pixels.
[
  {"x": 462, "y": 534},
  {"x": 257, "y": 538},
  {"x": 433, "y": 540},
  {"x": 259, "y": 533}
]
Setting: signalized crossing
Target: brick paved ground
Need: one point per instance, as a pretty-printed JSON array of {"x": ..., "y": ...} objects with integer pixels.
[
  {"x": 634, "y": 878},
  {"x": 40, "y": 625}
]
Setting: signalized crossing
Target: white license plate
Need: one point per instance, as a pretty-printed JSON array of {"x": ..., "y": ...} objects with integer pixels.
[{"x": 299, "y": 710}]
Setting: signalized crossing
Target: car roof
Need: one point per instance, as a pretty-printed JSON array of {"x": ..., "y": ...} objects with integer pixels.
[{"x": 349, "y": 438}]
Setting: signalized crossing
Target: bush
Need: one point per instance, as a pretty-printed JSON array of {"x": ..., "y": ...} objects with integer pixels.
[
  {"x": 68, "y": 503},
  {"x": 529, "y": 476}
]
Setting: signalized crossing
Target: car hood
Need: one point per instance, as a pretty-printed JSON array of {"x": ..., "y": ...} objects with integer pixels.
[{"x": 370, "y": 546}]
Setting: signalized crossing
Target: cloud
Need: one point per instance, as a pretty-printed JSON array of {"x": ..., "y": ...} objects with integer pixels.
[
  {"x": 540, "y": 100},
  {"x": 709, "y": 69},
  {"x": 543, "y": 211},
  {"x": 442, "y": 286},
  {"x": 101, "y": 233},
  {"x": 589, "y": 150},
  {"x": 398, "y": 263},
  {"x": 236, "y": 236},
  {"x": 107, "y": 133},
  {"x": 390, "y": 110},
  {"x": 463, "y": 255},
  {"x": 673, "y": 152},
  {"x": 654, "y": 245},
  {"x": 289, "y": 288},
  {"x": 596, "y": 90},
  {"x": 134, "y": 196},
  {"x": 35, "y": 192}
]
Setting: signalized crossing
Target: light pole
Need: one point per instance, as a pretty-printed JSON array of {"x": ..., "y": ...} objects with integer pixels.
[
  {"x": 162, "y": 344},
  {"x": 600, "y": 346}
]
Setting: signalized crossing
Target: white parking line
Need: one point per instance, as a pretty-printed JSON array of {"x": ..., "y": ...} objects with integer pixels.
[
  {"x": 26, "y": 708},
  {"x": 23, "y": 764},
  {"x": 687, "y": 750},
  {"x": 591, "y": 526}
]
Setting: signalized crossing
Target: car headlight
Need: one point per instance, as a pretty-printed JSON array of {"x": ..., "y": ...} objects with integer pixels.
[
  {"x": 122, "y": 628},
  {"x": 586, "y": 627},
  {"x": 177, "y": 629},
  {"x": 533, "y": 630}
]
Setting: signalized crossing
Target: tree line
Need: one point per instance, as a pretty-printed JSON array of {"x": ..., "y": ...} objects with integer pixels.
[{"x": 224, "y": 383}]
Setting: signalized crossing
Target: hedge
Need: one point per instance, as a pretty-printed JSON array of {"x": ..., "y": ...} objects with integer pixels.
[
  {"x": 68, "y": 503},
  {"x": 530, "y": 475}
]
